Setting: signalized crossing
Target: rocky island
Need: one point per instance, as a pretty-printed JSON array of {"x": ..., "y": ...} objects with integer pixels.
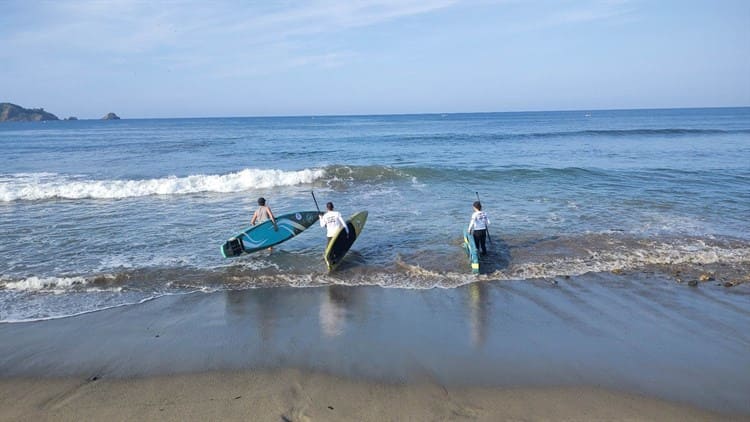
[{"x": 15, "y": 113}]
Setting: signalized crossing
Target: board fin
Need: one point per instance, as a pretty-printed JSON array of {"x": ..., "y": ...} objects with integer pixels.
[{"x": 232, "y": 247}]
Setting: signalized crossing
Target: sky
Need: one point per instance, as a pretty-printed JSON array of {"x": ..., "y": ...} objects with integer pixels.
[{"x": 155, "y": 59}]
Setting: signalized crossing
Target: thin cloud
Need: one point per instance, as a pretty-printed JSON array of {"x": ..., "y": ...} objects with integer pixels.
[
  {"x": 598, "y": 11},
  {"x": 575, "y": 13},
  {"x": 132, "y": 26},
  {"x": 121, "y": 30}
]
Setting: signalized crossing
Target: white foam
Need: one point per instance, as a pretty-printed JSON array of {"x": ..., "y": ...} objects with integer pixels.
[
  {"x": 31, "y": 318},
  {"x": 628, "y": 258},
  {"x": 38, "y": 186},
  {"x": 52, "y": 284}
]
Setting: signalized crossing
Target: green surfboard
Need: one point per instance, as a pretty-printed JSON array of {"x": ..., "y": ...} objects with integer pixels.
[
  {"x": 471, "y": 252},
  {"x": 341, "y": 243}
]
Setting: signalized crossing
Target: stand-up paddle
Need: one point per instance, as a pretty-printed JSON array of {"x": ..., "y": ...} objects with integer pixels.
[
  {"x": 489, "y": 238},
  {"x": 316, "y": 202}
]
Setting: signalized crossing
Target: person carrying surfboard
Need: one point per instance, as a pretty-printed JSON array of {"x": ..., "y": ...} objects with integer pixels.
[
  {"x": 478, "y": 226},
  {"x": 263, "y": 213},
  {"x": 332, "y": 221}
]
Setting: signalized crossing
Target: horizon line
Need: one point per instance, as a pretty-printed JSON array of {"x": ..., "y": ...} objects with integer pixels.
[{"x": 394, "y": 114}]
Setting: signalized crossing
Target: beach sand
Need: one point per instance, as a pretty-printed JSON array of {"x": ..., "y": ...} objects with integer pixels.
[
  {"x": 598, "y": 347},
  {"x": 292, "y": 395}
]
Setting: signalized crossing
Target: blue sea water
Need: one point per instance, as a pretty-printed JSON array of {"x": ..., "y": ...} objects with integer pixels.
[{"x": 95, "y": 214}]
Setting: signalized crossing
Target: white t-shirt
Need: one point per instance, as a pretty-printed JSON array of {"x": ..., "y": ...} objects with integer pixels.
[
  {"x": 332, "y": 221},
  {"x": 479, "y": 221}
]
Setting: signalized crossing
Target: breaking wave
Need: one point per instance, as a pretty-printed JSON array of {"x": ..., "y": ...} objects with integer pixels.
[
  {"x": 49, "y": 186},
  {"x": 41, "y": 186},
  {"x": 48, "y": 284},
  {"x": 518, "y": 259},
  {"x": 723, "y": 262}
]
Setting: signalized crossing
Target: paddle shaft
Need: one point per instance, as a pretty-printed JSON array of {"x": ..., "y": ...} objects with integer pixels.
[{"x": 316, "y": 201}]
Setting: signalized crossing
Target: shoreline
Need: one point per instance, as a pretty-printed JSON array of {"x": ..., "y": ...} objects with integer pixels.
[{"x": 645, "y": 350}]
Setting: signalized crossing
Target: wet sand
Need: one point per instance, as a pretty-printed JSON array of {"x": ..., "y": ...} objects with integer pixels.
[{"x": 589, "y": 348}]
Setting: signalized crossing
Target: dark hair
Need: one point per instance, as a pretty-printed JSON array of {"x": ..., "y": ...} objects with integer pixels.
[
  {"x": 329, "y": 206},
  {"x": 478, "y": 205},
  {"x": 261, "y": 201}
]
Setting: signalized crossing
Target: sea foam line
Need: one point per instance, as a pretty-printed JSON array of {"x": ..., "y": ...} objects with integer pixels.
[
  {"x": 695, "y": 254},
  {"x": 34, "y": 283},
  {"x": 39, "y": 186},
  {"x": 78, "y": 313}
]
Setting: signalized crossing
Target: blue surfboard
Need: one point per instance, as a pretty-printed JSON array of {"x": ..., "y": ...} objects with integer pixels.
[
  {"x": 471, "y": 252},
  {"x": 265, "y": 235}
]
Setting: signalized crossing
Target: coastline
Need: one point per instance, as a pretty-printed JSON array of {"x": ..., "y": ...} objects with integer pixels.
[{"x": 595, "y": 347}]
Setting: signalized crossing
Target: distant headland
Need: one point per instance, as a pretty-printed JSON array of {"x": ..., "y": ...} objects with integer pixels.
[{"x": 14, "y": 113}]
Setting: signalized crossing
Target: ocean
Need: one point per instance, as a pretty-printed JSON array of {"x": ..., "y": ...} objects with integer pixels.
[{"x": 101, "y": 214}]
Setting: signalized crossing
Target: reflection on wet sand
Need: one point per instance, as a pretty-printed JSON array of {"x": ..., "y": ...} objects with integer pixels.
[
  {"x": 268, "y": 303},
  {"x": 478, "y": 313},
  {"x": 600, "y": 330},
  {"x": 333, "y": 310}
]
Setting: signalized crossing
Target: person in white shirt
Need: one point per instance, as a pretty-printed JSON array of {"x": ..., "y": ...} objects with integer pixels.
[
  {"x": 478, "y": 227},
  {"x": 332, "y": 221}
]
